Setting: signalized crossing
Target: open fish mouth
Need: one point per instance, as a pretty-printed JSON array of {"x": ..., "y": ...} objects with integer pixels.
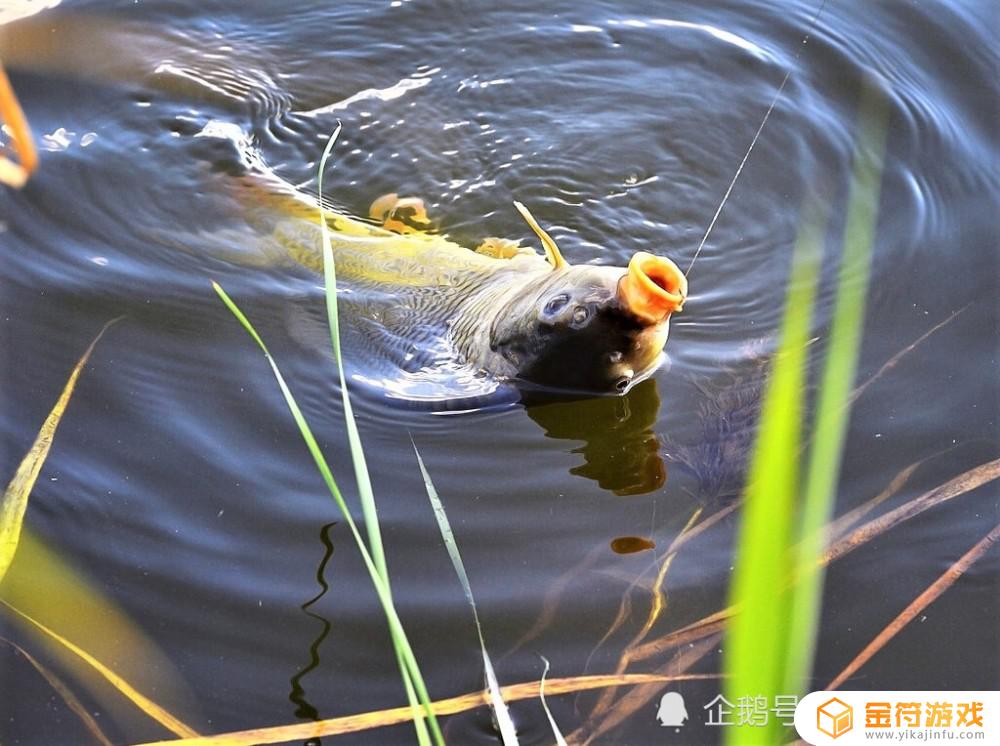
[{"x": 652, "y": 288}]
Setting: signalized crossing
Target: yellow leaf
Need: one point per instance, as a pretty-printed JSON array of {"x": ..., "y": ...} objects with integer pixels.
[
  {"x": 15, "y": 497},
  {"x": 382, "y": 718},
  {"x": 68, "y": 602},
  {"x": 140, "y": 700},
  {"x": 66, "y": 614}
]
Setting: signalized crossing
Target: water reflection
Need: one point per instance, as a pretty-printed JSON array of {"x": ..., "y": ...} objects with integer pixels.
[
  {"x": 620, "y": 450},
  {"x": 303, "y": 708}
]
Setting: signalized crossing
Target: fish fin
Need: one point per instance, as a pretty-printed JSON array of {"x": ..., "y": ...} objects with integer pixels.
[
  {"x": 382, "y": 206},
  {"x": 503, "y": 248},
  {"x": 552, "y": 252},
  {"x": 401, "y": 215},
  {"x": 263, "y": 188}
]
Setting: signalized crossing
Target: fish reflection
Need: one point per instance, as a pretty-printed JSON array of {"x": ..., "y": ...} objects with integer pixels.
[{"x": 620, "y": 450}]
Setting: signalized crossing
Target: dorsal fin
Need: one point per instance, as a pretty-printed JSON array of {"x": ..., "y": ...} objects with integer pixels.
[{"x": 552, "y": 252}]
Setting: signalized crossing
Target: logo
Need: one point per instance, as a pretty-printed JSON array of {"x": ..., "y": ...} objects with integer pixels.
[
  {"x": 834, "y": 717},
  {"x": 844, "y": 718},
  {"x": 672, "y": 713}
]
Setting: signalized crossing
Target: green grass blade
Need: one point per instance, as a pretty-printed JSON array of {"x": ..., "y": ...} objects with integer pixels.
[
  {"x": 772, "y": 643},
  {"x": 361, "y": 474},
  {"x": 556, "y": 733},
  {"x": 508, "y": 733},
  {"x": 836, "y": 383},
  {"x": 381, "y": 589},
  {"x": 354, "y": 438},
  {"x": 756, "y": 643}
]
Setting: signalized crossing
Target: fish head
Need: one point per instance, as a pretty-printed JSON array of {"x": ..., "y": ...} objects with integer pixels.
[{"x": 590, "y": 328}]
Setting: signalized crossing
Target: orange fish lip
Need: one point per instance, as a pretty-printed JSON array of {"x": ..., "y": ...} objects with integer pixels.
[{"x": 652, "y": 288}]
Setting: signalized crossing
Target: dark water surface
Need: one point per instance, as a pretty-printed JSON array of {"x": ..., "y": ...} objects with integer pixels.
[{"x": 179, "y": 484}]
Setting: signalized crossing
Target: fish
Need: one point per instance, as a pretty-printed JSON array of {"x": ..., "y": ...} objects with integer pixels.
[
  {"x": 501, "y": 310},
  {"x": 505, "y": 310}
]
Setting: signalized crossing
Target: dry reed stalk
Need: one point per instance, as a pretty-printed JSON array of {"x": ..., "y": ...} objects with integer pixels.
[{"x": 921, "y": 602}]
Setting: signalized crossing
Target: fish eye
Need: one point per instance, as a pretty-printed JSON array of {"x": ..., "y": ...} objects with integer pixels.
[
  {"x": 581, "y": 314},
  {"x": 556, "y": 304}
]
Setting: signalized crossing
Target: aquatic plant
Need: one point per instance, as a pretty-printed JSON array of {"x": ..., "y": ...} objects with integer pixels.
[
  {"x": 67, "y": 597},
  {"x": 14, "y": 502},
  {"x": 560, "y": 739},
  {"x": 416, "y": 687},
  {"x": 451, "y": 706},
  {"x": 692, "y": 642},
  {"x": 67, "y": 695},
  {"x": 777, "y": 581},
  {"x": 508, "y": 733},
  {"x": 373, "y": 553},
  {"x": 412, "y": 681},
  {"x": 505, "y": 725}
]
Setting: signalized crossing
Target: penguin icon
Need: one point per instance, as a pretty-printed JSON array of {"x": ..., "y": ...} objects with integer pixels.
[{"x": 671, "y": 712}]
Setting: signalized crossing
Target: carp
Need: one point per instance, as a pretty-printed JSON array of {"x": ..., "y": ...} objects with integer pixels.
[
  {"x": 499, "y": 309},
  {"x": 504, "y": 310}
]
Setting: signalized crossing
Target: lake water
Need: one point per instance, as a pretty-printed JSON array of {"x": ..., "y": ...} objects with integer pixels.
[{"x": 179, "y": 484}]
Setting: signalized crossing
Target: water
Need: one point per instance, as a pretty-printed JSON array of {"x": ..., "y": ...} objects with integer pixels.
[{"x": 179, "y": 484}]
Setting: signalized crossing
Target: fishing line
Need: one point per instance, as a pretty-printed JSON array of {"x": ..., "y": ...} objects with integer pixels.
[{"x": 753, "y": 142}]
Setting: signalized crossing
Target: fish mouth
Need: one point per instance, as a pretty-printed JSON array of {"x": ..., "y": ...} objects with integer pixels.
[
  {"x": 647, "y": 359},
  {"x": 652, "y": 288},
  {"x": 630, "y": 380}
]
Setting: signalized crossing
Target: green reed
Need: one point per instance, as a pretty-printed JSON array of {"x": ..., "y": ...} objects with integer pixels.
[
  {"x": 373, "y": 552},
  {"x": 416, "y": 692},
  {"x": 778, "y": 579},
  {"x": 399, "y": 639},
  {"x": 504, "y": 723}
]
